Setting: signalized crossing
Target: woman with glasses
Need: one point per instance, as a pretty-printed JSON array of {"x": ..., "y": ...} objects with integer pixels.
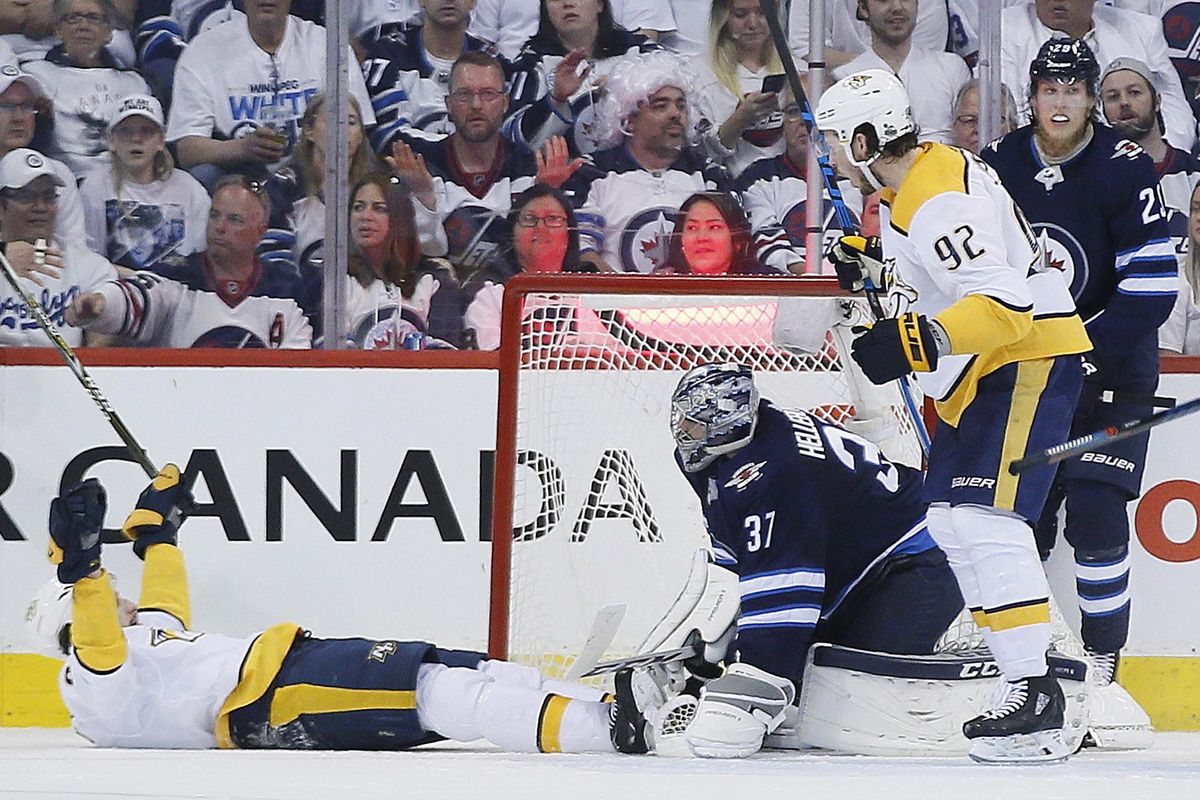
[
  {"x": 541, "y": 236},
  {"x": 559, "y": 74},
  {"x": 395, "y": 297},
  {"x": 712, "y": 237},
  {"x": 142, "y": 212},
  {"x": 739, "y": 87},
  {"x": 84, "y": 81}
]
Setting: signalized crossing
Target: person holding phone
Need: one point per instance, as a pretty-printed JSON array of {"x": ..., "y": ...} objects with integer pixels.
[{"x": 741, "y": 79}]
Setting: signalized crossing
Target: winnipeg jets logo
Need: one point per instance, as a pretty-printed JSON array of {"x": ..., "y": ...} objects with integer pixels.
[
  {"x": 1127, "y": 149},
  {"x": 1049, "y": 177},
  {"x": 746, "y": 475},
  {"x": 646, "y": 238},
  {"x": 1064, "y": 253}
]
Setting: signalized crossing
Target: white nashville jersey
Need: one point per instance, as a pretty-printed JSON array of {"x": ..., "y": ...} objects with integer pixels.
[
  {"x": 166, "y": 694},
  {"x": 952, "y": 231},
  {"x": 82, "y": 272}
]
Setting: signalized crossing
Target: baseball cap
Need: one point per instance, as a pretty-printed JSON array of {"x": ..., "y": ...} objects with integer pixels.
[
  {"x": 138, "y": 105},
  {"x": 10, "y": 74},
  {"x": 1131, "y": 64},
  {"x": 21, "y": 166}
]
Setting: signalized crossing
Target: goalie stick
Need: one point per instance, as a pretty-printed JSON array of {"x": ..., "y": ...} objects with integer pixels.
[
  {"x": 1113, "y": 433},
  {"x": 770, "y": 9},
  {"x": 644, "y": 660},
  {"x": 72, "y": 361}
]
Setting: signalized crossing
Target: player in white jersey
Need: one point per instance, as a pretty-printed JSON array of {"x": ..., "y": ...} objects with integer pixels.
[
  {"x": 995, "y": 339},
  {"x": 54, "y": 269},
  {"x": 138, "y": 676}
]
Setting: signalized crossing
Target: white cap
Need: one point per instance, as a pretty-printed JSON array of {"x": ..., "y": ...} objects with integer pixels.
[
  {"x": 138, "y": 105},
  {"x": 21, "y": 166},
  {"x": 10, "y": 74}
]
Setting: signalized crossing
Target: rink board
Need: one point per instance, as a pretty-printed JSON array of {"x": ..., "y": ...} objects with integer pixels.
[{"x": 341, "y": 497}]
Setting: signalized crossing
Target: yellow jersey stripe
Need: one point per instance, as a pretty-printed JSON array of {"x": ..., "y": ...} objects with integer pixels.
[
  {"x": 1032, "y": 377},
  {"x": 165, "y": 583},
  {"x": 938, "y": 169},
  {"x": 290, "y": 702},
  {"x": 1031, "y": 613},
  {"x": 550, "y": 723},
  {"x": 259, "y": 669},
  {"x": 979, "y": 617},
  {"x": 95, "y": 627}
]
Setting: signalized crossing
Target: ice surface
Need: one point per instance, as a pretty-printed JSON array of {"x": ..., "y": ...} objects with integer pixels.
[{"x": 54, "y": 764}]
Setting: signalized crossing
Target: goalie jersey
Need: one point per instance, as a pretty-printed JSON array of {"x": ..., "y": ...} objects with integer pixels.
[{"x": 806, "y": 514}]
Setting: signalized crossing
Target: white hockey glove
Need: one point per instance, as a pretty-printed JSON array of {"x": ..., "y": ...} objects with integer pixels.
[{"x": 737, "y": 711}]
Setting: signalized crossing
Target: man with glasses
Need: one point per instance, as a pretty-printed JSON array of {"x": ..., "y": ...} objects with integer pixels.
[
  {"x": 29, "y": 189},
  {"x": 966, "y": 116},
  {"x": 775, "y": 193},
  {"x": 241, "y": 89},
  {"x": 222, "y": 297}
]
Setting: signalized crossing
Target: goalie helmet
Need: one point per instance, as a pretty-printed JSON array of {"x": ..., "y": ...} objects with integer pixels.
[
  {"x": 873, "y": 97},
  {"x": 714, "y": 411},
  {"x": 1065, "y": 61},
  {"x": 48, "y": 617}
]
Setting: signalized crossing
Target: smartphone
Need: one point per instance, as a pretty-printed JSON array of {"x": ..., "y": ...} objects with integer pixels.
[{"x": 773, "y": 84}]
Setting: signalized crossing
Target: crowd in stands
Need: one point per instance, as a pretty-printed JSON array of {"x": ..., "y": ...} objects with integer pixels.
[{"x": 162, "y": 160}]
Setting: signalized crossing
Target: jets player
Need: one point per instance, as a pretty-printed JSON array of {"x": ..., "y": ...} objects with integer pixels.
[
  {"x": 1093, "y": 199},
  {"x": 827, "y": 537},
  {"x": 995, "y": 338},
  {"x": 139, "y": 676}
]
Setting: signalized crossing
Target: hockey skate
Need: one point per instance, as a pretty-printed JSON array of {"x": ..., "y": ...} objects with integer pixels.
[
  {"x": 1023, "y": 726},
  {"x": 1117, "y": 721}
]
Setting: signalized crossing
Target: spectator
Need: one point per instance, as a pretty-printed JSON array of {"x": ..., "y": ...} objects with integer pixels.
[
  {"x": 774, "y": 192},
  {"x": 712, "y": 237},
  {"x": 392, "y": 289},
  {"x": 407, "y": 68},
  {"x": 541, "y": 235},
  {"x": 140, "y": 211},
  {"x": 464, "y": 182},
  {"x": 60, "y": 267},
  {"x": 241, "y": 90},
  {"x": 27, "y": 28},
  {"x": 966, "y": 115},
  {"x": 1111, "y": 33},
  {"x": 84, "y": 82},
  {"x": 1132, "y": 105},
  {"x": 847, "y": 34},
  {"x": 1180, "y": 334},
  {"x": 1180, "y": 21},
  {"x": 296, "y": 232},
  {"x": 222, "y": 297},
  {"x": 739, "y": 122},
  {"x": 27, "y": 120},
  {"x": 931, "y": 76},
  {"x": 554, "y": 91},
  {"x": 629, "y": 196},
  {"x": 508, "y": 24}
]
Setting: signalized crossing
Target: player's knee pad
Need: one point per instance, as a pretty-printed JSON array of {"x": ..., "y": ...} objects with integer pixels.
[
  {"x": 1096, "y": 516},
  {"x": 1002, "y": 551},
  {"x": 448, "y": 700},
  {"x": 940, "y": 523},
  {"x": 737, "y": 711}
]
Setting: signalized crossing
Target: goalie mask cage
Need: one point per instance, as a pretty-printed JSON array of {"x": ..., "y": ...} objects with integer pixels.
[{"x": 589, "y": 508}]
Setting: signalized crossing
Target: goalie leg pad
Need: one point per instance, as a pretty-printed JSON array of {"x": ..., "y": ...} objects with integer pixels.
[{"x": 737, "y": 711}]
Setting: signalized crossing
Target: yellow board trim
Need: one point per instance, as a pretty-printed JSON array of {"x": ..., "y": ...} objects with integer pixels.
[
  {"x": 290, "y": 702},
  {"x": 1010, "y": 618},
  {"x": 550, "y": 724},
  {"x": 1032, "y": 377},
  {"x": 29, "y": 692}
]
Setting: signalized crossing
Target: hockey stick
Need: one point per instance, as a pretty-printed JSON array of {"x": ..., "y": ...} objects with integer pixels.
[
  {"x": 645, "y": 660},
  {"x": 72, "y": 361},
  {"x": 1113, "y": 433},
  {"x": 771, "y": 12},
  {"x": 604, "y": 630}
]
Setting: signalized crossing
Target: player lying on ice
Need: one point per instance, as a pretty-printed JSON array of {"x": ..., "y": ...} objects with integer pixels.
[
  {"x": 137, "y": 676},
  {"x": 823, "y": 540}
]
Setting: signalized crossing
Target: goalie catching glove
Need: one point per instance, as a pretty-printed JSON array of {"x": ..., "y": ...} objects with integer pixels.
[
  {"x": 76, "y": 517},
  {"x": 858, "y": 260},
  {"x": 892, "y": 348},
  {"x": 161, "y": 508}
]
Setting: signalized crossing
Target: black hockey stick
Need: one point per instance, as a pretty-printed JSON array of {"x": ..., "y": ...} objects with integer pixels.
[
  {"x": 770, "y": 9},
  {"x": 72, "y": 360},
  {"x": 645, "y": 660},
  {"x": 1113, "y": 433}
]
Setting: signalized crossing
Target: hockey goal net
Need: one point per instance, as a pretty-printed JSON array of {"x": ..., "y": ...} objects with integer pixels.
[{"x": 589, "y": 507}]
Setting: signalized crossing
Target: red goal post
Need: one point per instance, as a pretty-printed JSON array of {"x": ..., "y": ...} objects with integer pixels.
[{"x": 588, "y": 507}]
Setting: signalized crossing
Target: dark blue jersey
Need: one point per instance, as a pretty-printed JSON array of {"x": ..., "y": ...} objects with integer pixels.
[
  {"x": 1101, "y": 219},
  {"x": 807, "y": 514}
]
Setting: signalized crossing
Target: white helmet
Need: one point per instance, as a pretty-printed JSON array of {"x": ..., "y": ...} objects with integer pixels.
[
  {"x": 872, "y": 97},
  {"x": 48, "y": 613}
]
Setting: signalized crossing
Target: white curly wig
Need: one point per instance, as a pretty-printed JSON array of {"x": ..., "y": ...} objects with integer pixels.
[{"x": 631, "y": 82}]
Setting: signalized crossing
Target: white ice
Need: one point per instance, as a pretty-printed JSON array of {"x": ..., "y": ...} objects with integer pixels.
[{"x": 56, "y": 764}]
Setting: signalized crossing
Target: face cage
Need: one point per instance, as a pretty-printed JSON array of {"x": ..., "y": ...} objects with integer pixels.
[{"x": 695, "y": 455}]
